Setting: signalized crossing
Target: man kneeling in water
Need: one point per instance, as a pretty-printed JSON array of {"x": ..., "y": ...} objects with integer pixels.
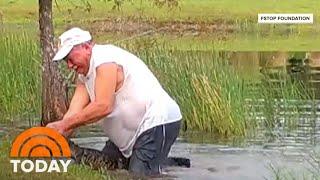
[{"x": 116, "y": 89}]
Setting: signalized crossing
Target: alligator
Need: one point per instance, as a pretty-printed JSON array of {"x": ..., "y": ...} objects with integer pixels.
[{"x": 112, "y": 160}]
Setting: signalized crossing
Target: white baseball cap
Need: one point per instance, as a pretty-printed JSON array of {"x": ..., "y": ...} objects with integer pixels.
[{"x": 69, "y": 39}]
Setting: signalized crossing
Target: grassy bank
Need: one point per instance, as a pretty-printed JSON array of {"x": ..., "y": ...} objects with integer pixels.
[
  {"x": 191, "y": 10},
  {"x": 240, "y": 16}
]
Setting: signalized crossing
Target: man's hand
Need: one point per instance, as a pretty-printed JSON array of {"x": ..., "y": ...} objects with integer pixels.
[{"x": 61, "y": 127}]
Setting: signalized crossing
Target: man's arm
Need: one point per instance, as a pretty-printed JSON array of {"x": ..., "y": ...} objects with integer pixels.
[
  {"x": 79, "y": 100},
  {"x": 105, "y": 86}
]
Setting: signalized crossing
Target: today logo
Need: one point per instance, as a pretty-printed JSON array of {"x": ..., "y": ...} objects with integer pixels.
[{"x": 40, "y": 149}]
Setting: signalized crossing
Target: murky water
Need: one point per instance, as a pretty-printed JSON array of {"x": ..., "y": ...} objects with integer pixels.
[
  {"x": 302, "y": 66},
  {"x": 215, "y": 162},
  {"x": 211, "y": 161},
  {"x": 253, "y": 160}
]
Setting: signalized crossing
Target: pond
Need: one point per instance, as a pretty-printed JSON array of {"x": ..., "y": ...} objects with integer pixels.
[{"x": 211, "y": 161}]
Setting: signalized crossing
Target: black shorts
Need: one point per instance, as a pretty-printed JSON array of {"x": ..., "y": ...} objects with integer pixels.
[{"x": 150, "y": 149}]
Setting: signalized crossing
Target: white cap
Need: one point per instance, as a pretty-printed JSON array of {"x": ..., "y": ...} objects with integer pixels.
[{"x": 69, "y": 39}]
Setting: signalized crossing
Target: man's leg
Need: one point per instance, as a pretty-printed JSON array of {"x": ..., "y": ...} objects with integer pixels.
[
  {"x": 171, "y": 134},
  {"x": 152, "y": 148}
]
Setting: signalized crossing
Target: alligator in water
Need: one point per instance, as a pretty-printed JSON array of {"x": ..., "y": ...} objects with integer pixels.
[{"x": 112, "y": 160}]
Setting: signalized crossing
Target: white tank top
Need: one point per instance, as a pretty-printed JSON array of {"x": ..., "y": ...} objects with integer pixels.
[{"x": 140, "y": 104}]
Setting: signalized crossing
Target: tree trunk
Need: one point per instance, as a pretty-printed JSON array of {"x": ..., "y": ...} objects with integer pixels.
[{"x": 54, "y": 90}]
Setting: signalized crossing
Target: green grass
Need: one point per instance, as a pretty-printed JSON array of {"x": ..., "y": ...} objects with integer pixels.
[
  {"x": 277, "y": 98},
  {"x": 247, "y": 35},
  {"x": 20, "y": 76},
  {"x": 204, "y": 10},
  {"x": 206, "y": 88}
]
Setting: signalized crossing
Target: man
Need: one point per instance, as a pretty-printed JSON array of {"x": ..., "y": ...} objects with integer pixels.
[{"x": 116, "y": 89}]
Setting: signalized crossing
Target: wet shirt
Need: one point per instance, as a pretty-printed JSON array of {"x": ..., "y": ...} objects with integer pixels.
[{"x": 140, "y": 104}]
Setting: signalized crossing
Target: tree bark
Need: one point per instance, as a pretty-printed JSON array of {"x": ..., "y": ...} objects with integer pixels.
[{"x": 54, "y": 90}]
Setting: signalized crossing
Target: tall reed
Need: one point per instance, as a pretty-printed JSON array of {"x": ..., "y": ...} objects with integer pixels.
[
  {"x": 20, "y": 75},
  {"x": 208, "y": 90}
]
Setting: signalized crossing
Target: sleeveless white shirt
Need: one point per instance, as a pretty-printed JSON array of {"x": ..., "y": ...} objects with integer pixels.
[{"x": 140, "y": 103}]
